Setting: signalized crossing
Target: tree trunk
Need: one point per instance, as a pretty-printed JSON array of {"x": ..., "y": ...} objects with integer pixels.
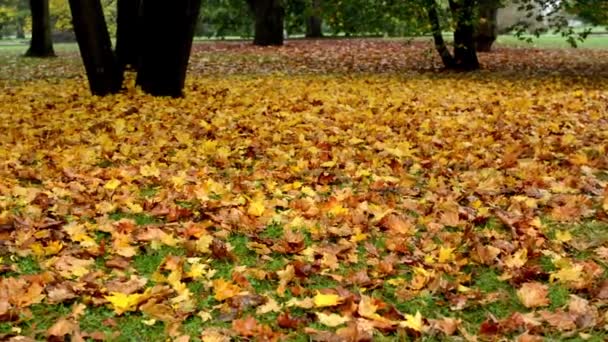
[
  {"x": 269, "y": 15},
  {"x": 127, "y": 32},
  {"x": 41, "y": 44},
  {"x": 465, "y": 55},
  {"x": 314, "y": 21},
  {"x": 440, "y": 46},
  {"x": 487, "y": 28},
  {"x": 166, "y": 45},
  {"x": 103, "y": 72}
]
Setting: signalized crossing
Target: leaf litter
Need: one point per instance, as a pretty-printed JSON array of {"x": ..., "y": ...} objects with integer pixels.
[{"x": 338, "y": 207}]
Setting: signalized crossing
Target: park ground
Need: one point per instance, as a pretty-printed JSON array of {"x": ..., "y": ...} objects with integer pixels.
[{"x": 331, "y": 190}]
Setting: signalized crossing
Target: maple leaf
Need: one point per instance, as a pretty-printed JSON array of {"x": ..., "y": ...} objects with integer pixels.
[
  {"x": 331, "y": 320},
  {"x": 367, "y": 309},
  {"x": 322, "y": 300},
  {"x": 112, "y": 184},
  {"x": 122, "y": 303},
  {"x": 61, "y": 328},
  {"x": 533, "y": 294},
  {"x": 413, "y": 322},
  {"x": 224, "y": 289},
  {"x": 256, "y": 207}
]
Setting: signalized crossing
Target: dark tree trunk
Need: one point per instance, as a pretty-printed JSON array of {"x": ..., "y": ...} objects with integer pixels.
[
  {"x": 103, "y": 72},
  {"x": 127, "y": 32},
  {"x": 487, "y": 28},
  {"x": 465, "y": 55},
  {"x": 162, "y": 69},
  {"x": 269, "y": 15},
  {"x": 314, "y": 22},
  {"x": 440, "y": 46},
  {"x": 41, "y": 44}
]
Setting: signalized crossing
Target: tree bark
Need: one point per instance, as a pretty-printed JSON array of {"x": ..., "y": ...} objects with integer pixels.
[
  {"x": 487, "y": 28},
  {"x": 269, "y": 16},
  {"x": 127, "y": 33},
  {"x": 103, "y": 72},
  {"x": 465, "y": 54},
  {"x": 41, "y": 44},
  {"x": 440, "y": 46},
  {"x": 166, "y": 45},
  {"x": 314, "y": 22}
]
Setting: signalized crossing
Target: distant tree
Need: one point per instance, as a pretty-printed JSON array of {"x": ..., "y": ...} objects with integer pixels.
[
  {"x": 486, "y": 30},
  {"x": 269, "y": 16},
  {"x": 41, "y": 44},
  {"x": 314, "y": 21},
  {"x": 103, "y": 72},
  {"x": 462, "y": 12}
]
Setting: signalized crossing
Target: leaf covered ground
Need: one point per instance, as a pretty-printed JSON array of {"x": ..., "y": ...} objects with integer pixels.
[{"x": 340, "y": 202}]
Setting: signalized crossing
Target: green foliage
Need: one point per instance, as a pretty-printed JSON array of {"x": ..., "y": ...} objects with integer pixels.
[
  {"x": 221, "y": 18},
  {"x": 393, "y": 18}
]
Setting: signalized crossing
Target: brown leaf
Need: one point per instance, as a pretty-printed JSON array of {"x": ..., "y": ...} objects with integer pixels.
[
  {"x": 61, "y": 328},
  {"x": 533, "y": 294}
]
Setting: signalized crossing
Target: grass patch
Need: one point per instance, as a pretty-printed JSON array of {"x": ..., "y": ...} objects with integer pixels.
[{"x": 148, "y": 262}]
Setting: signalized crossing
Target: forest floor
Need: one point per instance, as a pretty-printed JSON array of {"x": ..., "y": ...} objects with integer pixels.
[{"x": 333, "y": 190}]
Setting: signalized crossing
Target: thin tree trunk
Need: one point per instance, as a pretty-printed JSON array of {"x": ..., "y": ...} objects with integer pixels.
[
  {"x": 314, "y": 22},
  {"x": 127, "y": 32},
  {"x": 465, "y": 54},
  {"x": 440, "y": 46},
  {"x": 103, "y": 72},
  {"x": 269, "y": 16},
  {"x": 20, "y": 24},
  {"x": 41, "y": 44},
  {"x": 166, "y": 45},
  {"x": 487, "y": 28}
]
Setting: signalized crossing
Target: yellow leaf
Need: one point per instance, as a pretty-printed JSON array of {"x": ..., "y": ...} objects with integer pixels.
[
  {"x": 518, "y": 259},
  {"x": 256, "y": 207},
  {"x": 413, "y": 322},
  {"x": 224, "y": 289},
  {"x": 112, "y": 184},
  {"x": 203, "y": 243},
  {"x": 563, "y": 236},
  {"x": 338, "y": 210},
  {"x": 330, "y": 163},
  {"x": 568, "y": 274},
  {"x": 367, "y": 309},
  {"x": 122, "y": 303},
  {"x": 446, "y": 254},
  {"x": 331, "y": 320},
  {"x": 322, "y": 300},
  {"x": 149, "y": 170},
  {"x": 308, "y": 191}
]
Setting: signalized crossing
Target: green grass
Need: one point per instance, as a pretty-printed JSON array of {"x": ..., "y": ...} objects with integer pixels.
[
  {"x": 147, "y": 262},
  {"x": 18, "y": 47},
  {"x": 597, "y": 41}
]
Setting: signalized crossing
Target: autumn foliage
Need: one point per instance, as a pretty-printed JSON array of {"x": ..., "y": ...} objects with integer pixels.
[{"x": 348, "y": 194}]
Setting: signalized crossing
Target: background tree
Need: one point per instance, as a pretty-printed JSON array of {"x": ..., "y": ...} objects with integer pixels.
[
  {"x": 221, "y": 18},
  {"x": 103, "y": 71},
  {"x": 41, "y": 44},
  {"x": 465, "y": 55},
  {"x": 269, "y": 16},
  {"x": 314, "y": 22},
  {"x": 162, "y": 71},
  {"x": 486, "y": 30}
]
